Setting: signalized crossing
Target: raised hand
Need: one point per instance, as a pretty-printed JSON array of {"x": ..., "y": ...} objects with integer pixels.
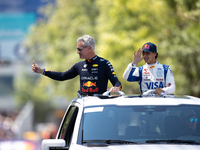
[
  {"x": 138, "y": 56},
  {"x": 36, "y": 68}
]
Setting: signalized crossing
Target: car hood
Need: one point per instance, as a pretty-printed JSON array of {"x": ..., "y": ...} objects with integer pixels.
[{"x": 138, "y": 147}]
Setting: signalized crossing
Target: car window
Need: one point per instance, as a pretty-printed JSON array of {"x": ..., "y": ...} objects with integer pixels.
[
  {"x": 141, "y": 123},
  {"x": 68, "y": 125}
]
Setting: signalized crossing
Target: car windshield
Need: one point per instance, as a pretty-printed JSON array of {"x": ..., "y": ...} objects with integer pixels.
[{"x": 142, "y": 124}]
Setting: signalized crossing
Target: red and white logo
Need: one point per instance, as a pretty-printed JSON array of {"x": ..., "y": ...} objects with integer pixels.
[{"x": 146, "y": 46}]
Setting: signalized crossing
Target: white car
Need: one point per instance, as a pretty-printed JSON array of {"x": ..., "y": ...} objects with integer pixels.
[{"x": 129, "y": 122}]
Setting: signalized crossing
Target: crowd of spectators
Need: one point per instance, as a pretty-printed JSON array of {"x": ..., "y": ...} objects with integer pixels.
[
  {"x": 7, "y": 129},
  {"x": 6, "y": 123}
]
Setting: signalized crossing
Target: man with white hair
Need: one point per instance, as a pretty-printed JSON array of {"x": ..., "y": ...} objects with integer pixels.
[{"x": 94, "y": 71}]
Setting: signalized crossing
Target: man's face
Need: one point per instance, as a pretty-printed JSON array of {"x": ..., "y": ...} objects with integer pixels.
[
  {"x": 190, "y": 123},
  {"x": 82, "y": 50},
  {"x": 149, "y": 57}
]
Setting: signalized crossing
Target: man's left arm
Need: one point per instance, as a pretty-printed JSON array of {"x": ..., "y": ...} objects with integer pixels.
[{"x": 170, "y": 83}]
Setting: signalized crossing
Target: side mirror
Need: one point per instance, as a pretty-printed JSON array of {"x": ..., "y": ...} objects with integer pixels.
[{"x": 50, "y": 143}]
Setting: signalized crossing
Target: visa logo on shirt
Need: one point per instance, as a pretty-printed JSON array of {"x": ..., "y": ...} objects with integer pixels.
[{"x": 154, "y": 85}]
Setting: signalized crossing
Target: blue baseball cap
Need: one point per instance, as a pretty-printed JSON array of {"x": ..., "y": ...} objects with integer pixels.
[{"x": 149, "y": 47}]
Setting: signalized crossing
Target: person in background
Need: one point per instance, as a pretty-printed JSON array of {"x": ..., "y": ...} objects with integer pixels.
[
  {"x": 188, "y": 121},
  {"x": 94, "y": 71},
  {"x": 151, "y": 76}
]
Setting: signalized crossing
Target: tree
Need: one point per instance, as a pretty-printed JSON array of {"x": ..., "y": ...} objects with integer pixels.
[
  {"x": 172, "y": 25},
  {"x": 54, "y": 40},
  {"x": 184, "y": 46},
  {"x": 119, "y": 27},
  {"x": 129, "y": 24}
]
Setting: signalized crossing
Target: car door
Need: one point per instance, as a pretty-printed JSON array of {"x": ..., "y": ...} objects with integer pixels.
[{"x": 67, "y": 127}]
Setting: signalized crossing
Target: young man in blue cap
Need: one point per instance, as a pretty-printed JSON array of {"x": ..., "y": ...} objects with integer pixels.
[{"x": 151, "y": 76}]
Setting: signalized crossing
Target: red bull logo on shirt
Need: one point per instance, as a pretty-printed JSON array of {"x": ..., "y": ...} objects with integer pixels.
[
  {"x": 89, "y": 84},
  {"x": 152, "y": 67},
  {"x": 96, "y": 89}
]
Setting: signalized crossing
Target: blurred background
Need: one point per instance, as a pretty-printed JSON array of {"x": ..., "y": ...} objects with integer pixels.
[{"x": 32, "y": 106}]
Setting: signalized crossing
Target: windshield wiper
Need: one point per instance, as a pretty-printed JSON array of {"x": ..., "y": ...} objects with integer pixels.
[
  {"x": 173, "y": 141},
  {"x": 108, "y": 142}
]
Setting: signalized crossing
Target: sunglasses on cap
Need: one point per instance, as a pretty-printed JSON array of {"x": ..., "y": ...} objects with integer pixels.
[
  {"x": 80, "y": 49},
  {"x": 194, "y": 119}
]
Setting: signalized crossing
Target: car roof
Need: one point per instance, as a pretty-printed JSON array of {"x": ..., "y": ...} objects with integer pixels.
[{"x": 136, "y": 100}]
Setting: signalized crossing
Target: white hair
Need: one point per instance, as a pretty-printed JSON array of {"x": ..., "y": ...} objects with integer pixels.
[{"x": 87, "y": 41}]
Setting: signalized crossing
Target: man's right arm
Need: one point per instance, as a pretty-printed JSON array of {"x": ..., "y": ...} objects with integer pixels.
[
  {"x": 131, "y": 73},
  {"x": 36, "y": 68},
  {"x": 61, "y": 76}
]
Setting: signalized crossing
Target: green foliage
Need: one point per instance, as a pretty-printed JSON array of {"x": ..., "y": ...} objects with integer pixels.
[
  {"x": 27, "y": 90},
  {"x": 184, "y": 47},
  {"x": 54, "y": 40},
  {"x": 172, "y": 25},
  {"x": 119, "y": 27},
  {"x": 132, "y": 25}
]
